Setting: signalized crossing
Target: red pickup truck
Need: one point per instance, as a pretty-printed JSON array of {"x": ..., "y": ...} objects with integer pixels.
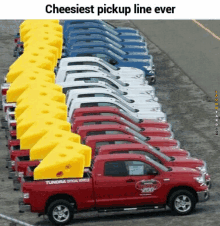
[
  {"x": 110, "y": 129},
  {"x": 98, "y": 140},
  {"x": 22, "y": 162},
  {"x": 165, "y": 159},
  {"x": 116, "y": 182},
  {"x": 113, "y": 111},
  {"x": 169, "y": 157},
  {"x": 101, "y": 121}
]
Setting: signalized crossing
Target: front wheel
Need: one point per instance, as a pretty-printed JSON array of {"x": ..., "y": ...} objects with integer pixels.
[
  {"x": 182, "y": 202},
  {"x": 60, "y": 212}
]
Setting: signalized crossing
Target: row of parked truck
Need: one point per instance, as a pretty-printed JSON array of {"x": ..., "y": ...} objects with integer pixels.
[{"x": 107, "y": 74}]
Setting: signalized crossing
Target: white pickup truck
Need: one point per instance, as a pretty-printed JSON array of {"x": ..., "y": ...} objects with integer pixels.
[
  {"x": 128, "y": 86},
  {"x": 107, "y": 101},
  {"x": 135, "y": 102},
  {"x": 95, "y": 61},
  {"x": 64, "y": 72}
]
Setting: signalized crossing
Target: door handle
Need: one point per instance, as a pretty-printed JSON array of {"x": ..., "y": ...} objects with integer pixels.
[{"x": 130, "y": 180}]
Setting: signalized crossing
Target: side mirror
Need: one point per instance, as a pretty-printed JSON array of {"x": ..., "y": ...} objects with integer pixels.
[
  {"x": 153, "y": 172},
  {"x": 113, "y": 62}
]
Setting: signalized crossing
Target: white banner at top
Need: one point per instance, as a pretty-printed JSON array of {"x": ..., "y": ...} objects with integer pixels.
[{"x": 84, "y": 9}]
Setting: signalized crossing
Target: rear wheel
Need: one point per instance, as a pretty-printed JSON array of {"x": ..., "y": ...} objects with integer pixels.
[
  {"x": 60, "y": 212},
  {"x": 182, "y": 202}
]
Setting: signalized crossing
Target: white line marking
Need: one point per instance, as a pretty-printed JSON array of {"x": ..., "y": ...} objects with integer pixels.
[
  {"x": 14, "y": 220},
  {"x": 206, "y": 29}
]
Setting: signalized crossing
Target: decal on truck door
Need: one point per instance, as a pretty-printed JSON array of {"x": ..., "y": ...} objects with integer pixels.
[{"x": 147, "y": 186}]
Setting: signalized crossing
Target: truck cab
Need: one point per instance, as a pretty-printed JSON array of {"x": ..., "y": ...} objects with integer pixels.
[
  {"x": 146, "y": 65},
  {"x": 114, "y": 49},
  {"x": 125, "y": 86},
  {"x": 128, "y": 148},
  {"x": 100, "y": 37},
  {"x": 98, "y": 140},
  {"x": 68, "y": 23},
  {"x": 99, "y": 30},
  {"x": 64, "y": 72},
  {"x": 96, "y": 61},
  {"x": 101, "y": 126},
  {"x": 100, "y": 26},
  {"x": 158, "y": 156},
  {"x": 126, "y": 49}
]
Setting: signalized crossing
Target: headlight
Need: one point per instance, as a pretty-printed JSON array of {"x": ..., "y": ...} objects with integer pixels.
[
  {"x": 161, "y": 119},
  {"x": 200, "y": 180},
  {"x": 26, "y": 195},
  {"x": 188, "y": 154},
  {"x": 202, "y": 169},
  {"x": 20, "y": 174},
  {"x": 12, "y": 163}
]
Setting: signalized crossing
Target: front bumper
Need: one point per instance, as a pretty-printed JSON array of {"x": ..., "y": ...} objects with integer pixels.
[
  {"x": 23, "y": 207},
  {"x": 203, "y": 196}
]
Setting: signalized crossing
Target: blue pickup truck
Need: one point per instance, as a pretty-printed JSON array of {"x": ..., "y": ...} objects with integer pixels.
[
  {"x": 145, "y": 65},
  {"x": 123, "y": 50},
  {"x": 93, "y": 45},
  {"x": 140, "y": 46},
  {"x": 105, "y": 25},
  {"x": 117, "y": 38}
]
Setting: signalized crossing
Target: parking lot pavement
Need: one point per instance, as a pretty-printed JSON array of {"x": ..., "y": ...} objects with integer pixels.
[
  {"x": 190, "y": 111},
  {"x": 194, "y": 47}
]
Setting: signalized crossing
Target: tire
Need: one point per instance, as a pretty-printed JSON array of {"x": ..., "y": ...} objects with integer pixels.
[
  {"x": 187, "y": 205},
  {"x": 65, "y": 210}
]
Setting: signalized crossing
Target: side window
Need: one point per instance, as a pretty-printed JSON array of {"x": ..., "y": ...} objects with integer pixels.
[
  {"x": 84, "y": 105},
  {"x": 122, "y": 142},
  {"x": 138, "y": 168},
  {"x": 115, "y": 169},
  {"x": 147, "y": 154},
  {"x": 98, "y": 144},
  {"x": 91, "y": 133}
]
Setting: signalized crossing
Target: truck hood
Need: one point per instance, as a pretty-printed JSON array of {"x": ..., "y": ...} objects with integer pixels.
[
  {"x": 184, "y": 171},
  {"x": 188, "y": 162}
]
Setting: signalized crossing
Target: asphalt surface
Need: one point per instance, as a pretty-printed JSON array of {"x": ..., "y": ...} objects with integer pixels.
[
  {"x": 186, "y": 96},
  {"x": 192, "y": 48}
]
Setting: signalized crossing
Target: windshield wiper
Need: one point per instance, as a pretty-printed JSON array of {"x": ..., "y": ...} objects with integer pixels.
[
  {"x": 172, "y": 158},
  {"x": 169, "y": 169}
]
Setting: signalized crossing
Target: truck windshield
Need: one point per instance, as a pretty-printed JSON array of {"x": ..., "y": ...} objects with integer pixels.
[
  {"x": 124, "y": 106},
  {"x": 154, "y": 150},
  {"x": 135, "y": 133},
  {"x": 109, "y": 65},
  {"x": 131, "y": 125},
  {"x": 162, "y": 167}
]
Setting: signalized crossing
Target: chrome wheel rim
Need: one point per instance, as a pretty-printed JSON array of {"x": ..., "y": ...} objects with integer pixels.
[
  {"x": 61, "y": 213},
  {"x": 182, "y": 203}
]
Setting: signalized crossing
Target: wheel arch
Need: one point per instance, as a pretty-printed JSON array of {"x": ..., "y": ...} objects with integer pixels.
[
  {"x": 174, "y": 189},
  {"x": 63, "y": 196}
]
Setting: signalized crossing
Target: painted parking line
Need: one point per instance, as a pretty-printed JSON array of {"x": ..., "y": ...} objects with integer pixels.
[
  {"x": 14, "y": 220},
  {"x": 206, "y": 29}
]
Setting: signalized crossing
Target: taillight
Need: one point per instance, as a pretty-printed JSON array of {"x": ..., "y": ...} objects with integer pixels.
[{"x": 4, "y": 92}]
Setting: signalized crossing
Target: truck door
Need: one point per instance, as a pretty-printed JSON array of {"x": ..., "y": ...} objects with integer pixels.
[
  {"x": 144, "y": 183},
  {"x": 111, "y": 186}
]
